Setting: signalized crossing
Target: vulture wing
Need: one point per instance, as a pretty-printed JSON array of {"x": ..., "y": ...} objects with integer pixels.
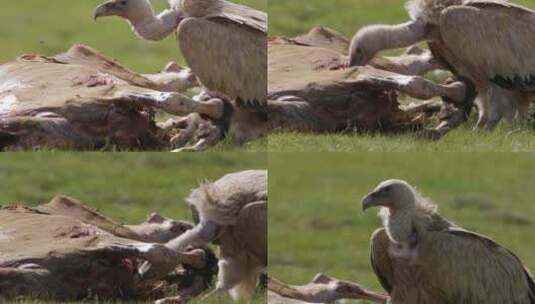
[
  {"x": 229, "y": 55},
  {"x": 251, "y": 229},
  {"x": 380, "y": 260},
  {"x": 453, "y": 266},
  {"x": 494, "y": 40}
]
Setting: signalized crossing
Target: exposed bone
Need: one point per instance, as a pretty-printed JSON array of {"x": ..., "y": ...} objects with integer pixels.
[
  {"x": 172, "y": 103},
  {"x": 418, "y": 87}
]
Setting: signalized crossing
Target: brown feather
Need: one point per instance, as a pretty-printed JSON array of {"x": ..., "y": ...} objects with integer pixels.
[
  {"x": 227, "y": 57},
  {"x": 495, "y": 42},
  {"x": 452, "y": 265}
]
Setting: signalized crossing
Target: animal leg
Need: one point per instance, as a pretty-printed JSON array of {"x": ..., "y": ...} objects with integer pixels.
[
  {"x": 420, "y": 88},
  {"x": 172, "y": 103},
  {"x": 502, "y": 103}
]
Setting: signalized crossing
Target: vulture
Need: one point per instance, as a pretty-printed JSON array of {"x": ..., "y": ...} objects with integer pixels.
[
  {"x": 420, "y": 257},
  {"x": 231, "y": 213},
  {"x": 225, "y": 44},
  {"x": 489, "y": 42}
]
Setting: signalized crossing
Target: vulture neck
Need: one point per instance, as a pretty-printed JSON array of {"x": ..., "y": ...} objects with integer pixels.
[
  {"x": 200, "y": 235},
  {"x": 149, "y": 26},
  {"x": 401, "y": 35},
  {"x": 399, "y": 222}
]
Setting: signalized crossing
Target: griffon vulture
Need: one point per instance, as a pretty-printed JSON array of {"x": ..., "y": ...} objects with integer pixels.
[
  {"x": 490, "y": 42},
  {"x": 231, "y": 213},
  {"x": 420, "y": 257},
  {"x": 224, "y": 43}
]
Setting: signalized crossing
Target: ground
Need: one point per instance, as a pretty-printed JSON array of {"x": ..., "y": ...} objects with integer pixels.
[
  {"x": 315, "y": 218},
  {"x": 290, "y": 18},
  {"x": 126, "y": 187}
]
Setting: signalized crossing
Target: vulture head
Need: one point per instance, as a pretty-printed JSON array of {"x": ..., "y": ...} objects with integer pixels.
[
  {"x": 128, "y": 9},
  {"x": 393, "y": 194},
  {"x": 140, "y": 14},
  {"x": 365, "y": 45}
]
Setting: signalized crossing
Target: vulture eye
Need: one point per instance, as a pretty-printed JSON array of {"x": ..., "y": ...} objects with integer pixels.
[{"x": 387, "y": 189}]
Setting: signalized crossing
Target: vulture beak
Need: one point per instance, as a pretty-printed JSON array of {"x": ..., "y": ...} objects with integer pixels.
[
  {"x": 370, "y": 200},
  {"x": 109, "y": 8}
]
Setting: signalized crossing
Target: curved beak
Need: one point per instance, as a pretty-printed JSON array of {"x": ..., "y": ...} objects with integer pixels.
[
  {"x": 106, "y": 9},
  {"x": 369, "y": 201}
]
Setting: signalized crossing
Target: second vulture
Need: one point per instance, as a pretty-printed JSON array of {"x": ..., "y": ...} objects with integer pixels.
[
  {"x": 490, "y": 42},
  {"x": 422, "y": 258}
]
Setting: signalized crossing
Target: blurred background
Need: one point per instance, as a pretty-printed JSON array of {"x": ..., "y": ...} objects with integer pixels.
[
  {"x": 51, "y": 27},
  {"x": 315, "y": 218},
  {"x": 124, "y": 186}
]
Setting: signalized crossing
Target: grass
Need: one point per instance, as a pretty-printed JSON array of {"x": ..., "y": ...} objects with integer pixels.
[
  {"x": 124, "y": 186},
  {"x": 316, "y": 224},
  {"x": 290, "y": 18}
]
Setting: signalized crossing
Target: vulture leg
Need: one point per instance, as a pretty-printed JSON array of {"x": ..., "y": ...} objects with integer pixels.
[
  {"x": 420, "y": 88},
  {"x": 228, "y": 276},
  {"x": 496, "y": 103}
]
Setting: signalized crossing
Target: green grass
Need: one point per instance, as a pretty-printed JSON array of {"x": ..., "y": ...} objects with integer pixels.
[
  {"x": 124, "y": 186},
  {"x": 51, "y": 27},
  {"x": 463, "y": 139},
  {"x": 316, "y": 223},
  {"x": 293, "y": 17}
]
